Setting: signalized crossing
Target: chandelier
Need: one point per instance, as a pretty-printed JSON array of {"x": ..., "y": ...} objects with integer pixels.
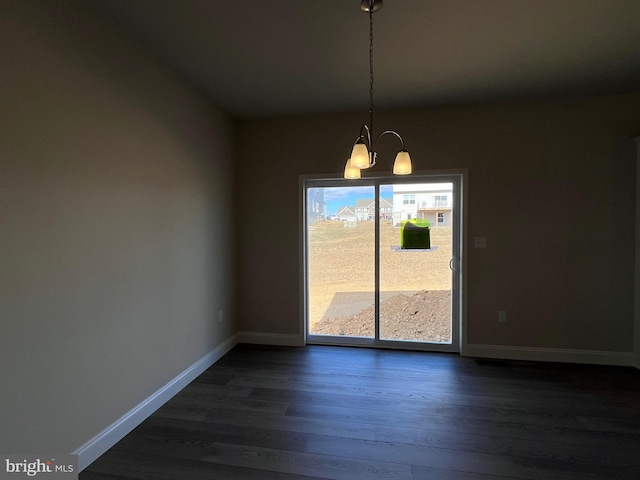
[{"x": 364, "y": 153}]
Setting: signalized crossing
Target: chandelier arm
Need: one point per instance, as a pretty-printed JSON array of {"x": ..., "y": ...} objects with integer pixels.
[
  {"x": 361, "y": 139},
  {"x": 386, "y": 132},
  {"x": 366, "y": 135}
]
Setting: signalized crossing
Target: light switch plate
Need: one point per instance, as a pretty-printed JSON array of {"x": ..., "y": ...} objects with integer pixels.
[{"x": 479, "y": 242}]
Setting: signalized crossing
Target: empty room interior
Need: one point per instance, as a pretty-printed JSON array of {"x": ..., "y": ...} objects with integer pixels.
[{"x": 157, "y": 164}]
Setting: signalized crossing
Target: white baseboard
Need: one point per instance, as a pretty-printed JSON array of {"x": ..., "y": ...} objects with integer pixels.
[
  {"x": 593, "y": 357},
  {"x": 282, "y": 339},
  {"x": 107, "y": 438}
]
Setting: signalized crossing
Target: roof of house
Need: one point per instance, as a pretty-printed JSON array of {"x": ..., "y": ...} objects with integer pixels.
[
  {"x": 369, "y": 203},
  {"x": 346, "y": 210}
]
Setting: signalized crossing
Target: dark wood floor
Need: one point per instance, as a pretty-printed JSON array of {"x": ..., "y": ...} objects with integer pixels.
[{"x": 350, "y": 413}]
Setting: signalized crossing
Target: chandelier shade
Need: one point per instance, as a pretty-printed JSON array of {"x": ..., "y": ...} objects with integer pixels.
[
  {"x": 350, "y": 171},
  {"x": 402, "y": 165},
  {"x": 360, "y": 156}
]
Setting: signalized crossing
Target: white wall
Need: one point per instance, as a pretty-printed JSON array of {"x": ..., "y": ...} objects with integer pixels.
[{"x": 115, "y": 251}]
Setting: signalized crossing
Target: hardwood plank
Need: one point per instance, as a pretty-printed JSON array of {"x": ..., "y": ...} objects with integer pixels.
[
  {"x": 111, "y": 463},
  {"x": 378, "y": 399},
  {"x": 199, "y": 446},
  {"x": 197, "y": 388},
  {"x": 431, "y": 419},
  {"x": 428, "y": 473},
  {"x": 572, "y": 445},
  {"x": 359, "y": 386},
  {"x": 89, "y": 475},
  {"x": 224, "y": 401},
  {"x": 154, "y": 467},
  {"x": 178, "y": 411},
  {"x": 384, "y": 399},
  {"x": 214, "y": 378},
  {"x": 468, "y": 426},
  {"x": 279, "y": 373},
  {"x": 522, "y": 465},
  {"x": 190, "y": 431},
  {"x": 600, "y": 424},
  {"x": 325, "y": 466},
  {"x": 421, "y": 408}
]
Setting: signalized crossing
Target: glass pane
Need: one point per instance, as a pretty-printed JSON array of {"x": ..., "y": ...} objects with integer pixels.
[
  {"x": 415, "y": 251},
  {"x": 340, "y": 261}
]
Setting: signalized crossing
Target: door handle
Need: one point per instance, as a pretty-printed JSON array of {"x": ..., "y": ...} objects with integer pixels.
[{"x": 452, "y": 264}]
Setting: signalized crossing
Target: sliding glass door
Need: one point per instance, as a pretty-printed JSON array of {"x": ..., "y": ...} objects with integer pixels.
[
  {"x": 340, "y": 261},
  {"x": 416, "y": 242},
  {"x": 381, "y": 261}
]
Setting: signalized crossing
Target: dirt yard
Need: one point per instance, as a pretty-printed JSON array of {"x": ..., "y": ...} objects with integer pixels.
[{"x": 415, "y": 303}]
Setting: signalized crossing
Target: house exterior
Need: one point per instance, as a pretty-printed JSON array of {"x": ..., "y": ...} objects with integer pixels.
[
  {"x": 427, "y": 201},
  {"x": 346, "y": 214},
  {"x": 365, "y": 209}
]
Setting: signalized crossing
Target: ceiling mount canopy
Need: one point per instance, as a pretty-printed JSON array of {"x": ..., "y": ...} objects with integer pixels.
[
  {"x": 367, "y": 5},
  {"x": 364, "y": 153}
]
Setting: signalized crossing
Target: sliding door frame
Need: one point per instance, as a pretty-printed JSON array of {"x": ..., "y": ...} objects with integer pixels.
[{"x": 458, "y": 178}]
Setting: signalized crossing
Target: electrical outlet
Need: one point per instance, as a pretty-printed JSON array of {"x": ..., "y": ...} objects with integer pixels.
[{"x": 502, "y": 316}]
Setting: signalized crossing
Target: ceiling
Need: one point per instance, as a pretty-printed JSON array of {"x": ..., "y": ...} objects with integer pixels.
[{"x": 281, "y": 57}]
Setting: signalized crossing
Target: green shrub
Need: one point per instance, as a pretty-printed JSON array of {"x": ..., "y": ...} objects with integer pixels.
[
  {"x": 418, "y": 222},
  {"x": 415, "y": 234}
]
